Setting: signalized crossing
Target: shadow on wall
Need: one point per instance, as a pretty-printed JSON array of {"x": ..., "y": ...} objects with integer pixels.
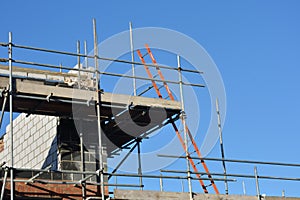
[{"x": 52, "y": 156}]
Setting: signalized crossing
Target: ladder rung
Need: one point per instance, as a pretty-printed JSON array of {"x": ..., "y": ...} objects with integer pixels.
[
  {"x": 145, "y": 54},
  {"x": 146, "y": 90},
  {"x": 191, "y": 161},
  {"x": 156, "y": 75}
]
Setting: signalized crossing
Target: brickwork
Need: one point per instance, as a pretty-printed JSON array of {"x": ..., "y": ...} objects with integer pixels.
[
  {"x": 43, "y": 140},
  {"x": 35, "y": 142},
  {"x": 50, "y": 191},
  {"x": 1, "y": 145}
]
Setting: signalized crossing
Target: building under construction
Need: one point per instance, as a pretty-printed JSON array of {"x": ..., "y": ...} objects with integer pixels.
[{"x": 68, "y": 128}]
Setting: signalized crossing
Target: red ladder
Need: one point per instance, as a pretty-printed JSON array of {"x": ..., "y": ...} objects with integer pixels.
[{"x": 173, "y": 123}]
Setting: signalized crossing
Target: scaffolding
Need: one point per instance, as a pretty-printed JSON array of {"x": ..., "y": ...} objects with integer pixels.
[{"x": 100, "y": 103}]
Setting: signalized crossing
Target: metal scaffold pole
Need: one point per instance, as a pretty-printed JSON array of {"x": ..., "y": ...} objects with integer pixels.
[
  {"x": 86, "y": 53},
  {"x": 11, "y": 115},
  {"x": 221, "y": 145},
  {"x": 78, "y": 63},
  {"x": 140, "y": 162},
  {"x": 257, "y": 183},
  {"x": 183, "y": 115},
  {"x": 98, "y": 111},
  {"x": 132, "y": 58}
]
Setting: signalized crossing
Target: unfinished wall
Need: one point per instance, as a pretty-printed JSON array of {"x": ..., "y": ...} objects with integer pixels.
[
  {"x": 69, "y": 146},
  {"x": 35, "y": 142}
]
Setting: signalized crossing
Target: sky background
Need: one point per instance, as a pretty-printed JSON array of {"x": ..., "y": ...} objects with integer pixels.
[{"x": 255, "y": 45}]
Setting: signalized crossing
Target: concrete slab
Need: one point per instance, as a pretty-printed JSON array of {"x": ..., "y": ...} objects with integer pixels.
[{"x": 123, "y": 117}]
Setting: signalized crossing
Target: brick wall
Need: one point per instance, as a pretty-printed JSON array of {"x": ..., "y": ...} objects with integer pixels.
[
  {"x": 35, "y": 142},
  {"x": 50, "y": 191},
  {"x": 1, "y": 145},
  {"x": 43, "y": 140}
]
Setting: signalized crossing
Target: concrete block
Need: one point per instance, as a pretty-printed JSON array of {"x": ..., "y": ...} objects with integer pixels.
[
  {"x": 22, "y": 130},
  {"x": 35, "y": 120},
  {"x": 30, "y": 140},
  {"x": 21, "y": 121},
  {"x": 45, "y": 121},
  {"x": 16, "y": 128},
  {"x": 17, "y": 142},
  {"x": 35, "y": 136},
  {"x": 26, "y": 134},
  {"x": 38, "y": 125},
  {"x": 36, "y": 152},
  {"x": 22, "y": 138},
  {"x": 48, "y": 126},
  {"x": 30, "y": 157},
  {"x": 42, "y": 131},
  {"x": 41, "y": 159},
  {"x": 54, "y": 121},
  {"x": 33, "y": 130},
  {"x": 33, "y": 145},
  {"x": 17, "y": 150},
  {"x": 29, "y": 125},
  {"x": 17, "y": 156}
]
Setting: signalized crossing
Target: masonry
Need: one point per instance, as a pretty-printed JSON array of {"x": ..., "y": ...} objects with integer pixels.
[
  {"x": 50, "y": 142},
  {"x": 35, "y": 142},
  {"x": 48, "y": 136}
]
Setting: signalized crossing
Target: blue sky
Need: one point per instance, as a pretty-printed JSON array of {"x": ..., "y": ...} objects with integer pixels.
[{"x": 255, "y": 45}]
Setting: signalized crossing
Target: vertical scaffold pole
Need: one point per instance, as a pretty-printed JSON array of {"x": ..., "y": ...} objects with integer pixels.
[
  {"x": 139, "y": 163},
  {"x": 83, "y": 184},
  {"x": 4, "y": 183},
  {"x": 222, "y": 145},
  {"x": 98, "y": 110},
  {"x": 86, "y": 53},
  {"x": 78, "y": 61},
  {"x": 11, "y": 115},
  {"x": 183, "y": 115},
  {"x": 132, "y": 58},
  {"x": 244, "y": 188},
  {"x": 161, "y": 186},
  {"x": 257, "y": 183}
]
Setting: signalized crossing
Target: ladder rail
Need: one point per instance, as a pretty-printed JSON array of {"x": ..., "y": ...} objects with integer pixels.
[
  {"x": 159, "y": 72},
  {"x": 149, "y": 52},
  {"x": 189, "y": 158},
  {"x": 202, "y": 161},
  {"x": 186, "y": 127},
  {"x": 149, "y": 74}
]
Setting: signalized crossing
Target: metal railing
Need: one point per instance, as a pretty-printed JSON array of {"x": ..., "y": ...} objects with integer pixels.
[
  {"x": 100, "y": 173},
  {"x": 96, "y": 72}
]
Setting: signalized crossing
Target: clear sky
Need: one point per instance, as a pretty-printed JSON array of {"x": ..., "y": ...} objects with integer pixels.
[{"x": 255, "y": 45}]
